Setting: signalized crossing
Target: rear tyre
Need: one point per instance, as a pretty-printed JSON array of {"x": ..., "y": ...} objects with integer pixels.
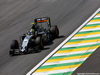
[
  {"x": 39, "y": 42},
  {"x": 54, "y": 31},
  {"x": 14, "y": 45}
]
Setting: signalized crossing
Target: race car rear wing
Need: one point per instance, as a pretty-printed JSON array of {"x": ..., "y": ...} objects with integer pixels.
[{"x": 42, "y": 20}]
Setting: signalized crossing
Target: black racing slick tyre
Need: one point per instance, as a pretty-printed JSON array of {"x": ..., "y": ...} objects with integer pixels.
[
  {"x": 39, "y": 42},
  {"x": 14, "y": 45},
  {"x": 54, "y": 31}
]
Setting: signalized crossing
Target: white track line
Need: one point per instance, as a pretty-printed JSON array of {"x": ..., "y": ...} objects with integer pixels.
[
  {"x": 65, "y": 61},
  {"x": 57, "y": 48},
  {"x": 55, "y": 71},
  {"x": 81, "y": 44},
  {"x": 89, "y": 36},
  {"x": 97, "y": 16},
  {"x": 62, "y": 70},
  {"x": 93, "y": 29},
  {"x": 76, "y": 52},
  {"x": 93, "y": 23},
  {"x": 69, "y": 61}
]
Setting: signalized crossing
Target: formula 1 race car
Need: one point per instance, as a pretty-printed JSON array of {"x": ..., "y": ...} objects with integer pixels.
[{"x": 34, "y": 41}]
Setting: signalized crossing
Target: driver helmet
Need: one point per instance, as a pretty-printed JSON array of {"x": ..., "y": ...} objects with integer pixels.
[
  {"x": 33, "y": 27},
  {"x": 31, "y": 32}
]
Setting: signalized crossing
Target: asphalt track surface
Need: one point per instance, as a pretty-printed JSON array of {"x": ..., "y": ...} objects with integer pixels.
[{"x": 15, "y": 19}]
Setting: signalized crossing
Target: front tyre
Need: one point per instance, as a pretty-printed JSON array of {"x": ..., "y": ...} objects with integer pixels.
[
  {"x": 39, "y": 42},
  {"x": 14, "y": 45}
]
